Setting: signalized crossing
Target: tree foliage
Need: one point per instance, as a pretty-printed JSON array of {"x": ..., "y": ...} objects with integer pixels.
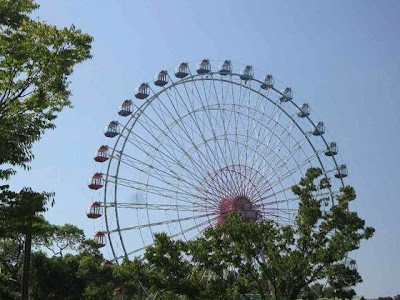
[
  {"x": 72, "y": 276},
  {"x": 36, "y": 60},
  {"x": 241, "y": 257},
  {"x": 228, "y": 262}
]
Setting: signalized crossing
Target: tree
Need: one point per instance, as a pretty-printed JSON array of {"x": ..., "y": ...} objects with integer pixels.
[
  {"x": 72, "y": 276},
  {"x": 20, "y": 219},
  {"x": 58, "y": 238},
  {"x": 241, "y": 257},
  {"x": 313, "y": 292},
  {"x": 35, "y": 61},
  {"x": 166, "y": 271},
  {"x": 315, "y": 248}
]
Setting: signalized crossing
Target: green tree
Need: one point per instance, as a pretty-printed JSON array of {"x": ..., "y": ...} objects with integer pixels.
[
  {"x": 166, "y": 272},
  {"x": 58, "y": 238},
  {"x": 72, "y": 276},
  {"x": 20, "y": 216},
  {"x": 35, "y": 61},
  {"x": 315, "y": 248},
  {"x": 312, "y": 292},
  {"x": 241, "y": 257}
]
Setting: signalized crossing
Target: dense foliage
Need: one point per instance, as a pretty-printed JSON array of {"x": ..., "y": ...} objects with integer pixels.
[
  {"x": 240, "y": 257},
  {"x": 35, "y": 61}
]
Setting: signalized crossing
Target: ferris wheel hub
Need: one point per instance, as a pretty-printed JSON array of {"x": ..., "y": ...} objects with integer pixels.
[{"x": 241, "y": 204}]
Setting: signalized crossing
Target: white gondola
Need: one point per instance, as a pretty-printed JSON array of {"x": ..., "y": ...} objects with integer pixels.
[
  {"x": 304, "y": 111},
  {"x": 112, "y": 129},
  {"x": 341, "y": 172},
  {"x": 319, "y": 129},
  {"x": 287, "y": 95},
  {"x": 143, "y": 91},
  {"x": 100, "y": 239},
  {"x": 247, "y": 73},
  {"x": 225, "y": 68},
  {"x": 332, "y": 149},
  {"x": 203, "y": 67},
  {"x": 268, "y": 82},
  {"x": 96, "y": 181},
  {"x": 94, "y": 210},
  {"x": 102, "y": 154},
  {"x": 106, "y": 263},
  {"x": 126, "y": 108},
  {"x": 182, "y": 70},
  {"x": 161, "y": 78}
]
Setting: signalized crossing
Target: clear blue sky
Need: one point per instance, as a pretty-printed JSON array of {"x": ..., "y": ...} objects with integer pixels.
[{"x": 342, "y": 56}]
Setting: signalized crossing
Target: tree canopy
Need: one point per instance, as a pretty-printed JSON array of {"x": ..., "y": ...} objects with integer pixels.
[
  {"x": 239, "y": 257},
  {"x": 36, "y": 60}
]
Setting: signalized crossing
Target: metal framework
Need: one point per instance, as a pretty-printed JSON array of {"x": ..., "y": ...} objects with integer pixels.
[{"x": 197, "y": 145}]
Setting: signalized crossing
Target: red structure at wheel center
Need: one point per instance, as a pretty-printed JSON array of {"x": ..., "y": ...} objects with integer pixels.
[{"x": 240, "y": 204}]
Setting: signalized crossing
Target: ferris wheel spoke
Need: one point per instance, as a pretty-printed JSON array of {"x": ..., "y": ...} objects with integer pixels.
[
  {"x": 155, "y": 224},
  {"x": 281, "y": 110},
  {"x": 142, "y": 166},
  {"x": 250, "y": 123},
  {"x": 161, "y": 178},
  {"x": 290, "y": 172},
  {"x": 245, "y": 125},
  {"x": 255, "y": 150},
  {"x": 270, "y": 153},
  {"x": 227, "y": 147},
  {"x": 229, "y": 123},
  {"x": 183, "y": 231},
  {"x": 297, "y": 166},
  {"x": 156, "y": 190},
  {"x": 283, "y": 220},
  {"x": 257, "y": 109},
  {"x": 209, "y": 118},
  {"x": 280, "y": 211},
  {"x": 167, "y": 159},
  {"x": 179, "y": 119},
  {"x": 290, "y": 153},
  {"x": 189, "y": 113},
  {"x": 220, "y": 147},
  {"x": 207, "y": 96},
  {"x": 222, "y": 118},
  {"x": 276, "y": 122},
  {"x": 287, "y": 134},
  {"x": 171, "y": 236},
  {"x": 236, "y": 125},
  {"x": 159, "y": 207},
  {"x": 169, "y": 172},
  {"x": 275, "y": 193},
  {"x": 196, "y": 121},
  {"x": 177, "y": 145},
  {"x": 167, "y": 155}
]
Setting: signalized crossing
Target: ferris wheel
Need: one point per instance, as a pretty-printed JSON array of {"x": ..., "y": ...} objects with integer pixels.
[{"x": 197, "y": 144}]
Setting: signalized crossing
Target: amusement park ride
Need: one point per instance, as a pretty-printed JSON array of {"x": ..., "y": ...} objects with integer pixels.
[{"x": 196, "y": 146}]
